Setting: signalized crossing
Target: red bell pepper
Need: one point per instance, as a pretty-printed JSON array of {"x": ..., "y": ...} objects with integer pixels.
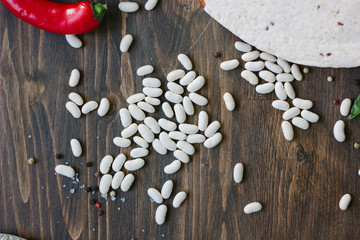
[{"x": 63, "y": 18}]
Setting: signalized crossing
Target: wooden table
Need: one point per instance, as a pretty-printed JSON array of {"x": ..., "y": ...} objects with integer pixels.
[{"x": 299, "y": 183}]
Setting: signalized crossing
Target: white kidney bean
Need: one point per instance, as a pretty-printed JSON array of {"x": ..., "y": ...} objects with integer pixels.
[
  {"x": 152, "y": 91},
  {"x": 118, "y": 162},
  {"x": 185, "y": 61},
  {"x": 152, "y": 101},
  {"x": 167, "y": 142},
  {"x": 103, "y": 107},
  {"x": 186, "y": 147},
  {"x": 105, "y": 183},
  {"x": 196, "y": 84},
  {"x": 188, "y": 106},
  {"x": 146, "y": 107},
  {"x": 179, "y": 113},
  {"x": 265, "y": 88},
  {"x": 198, "y": 99},
  {"x": 73, "y": 109},
  {"x": 65, "y": 170},
  {"x": 339, "y": 131},
  {"x": 188, "y": 78},
  {"x": 289, "y": 90},
  {"x": 167, "y": 124},
  {"x": 203, "y": 120},
  {"x": 127, "y": 182},
  {"x": 229, "y": 64},
  {"x": 195, "y": 138},
  {"x": 173, "y": 167},
  {"x": 345, "y": 107},
  {"x": 302, "y": 103},
  {"x": 75, "y": 147},
  {"x": 167, "y": 109},
  {"x": 238, "y": 172},
  {"x": 280, "y": 105},
  {"x": 290, "y": 113},
  {"x": 105, "y": 164},
  {"x": 174, "y": 87},
  {"x": 280, "y": 91},
  {"x": 144, "y": 70},
  {"x": 151, "y": 82},
  {"x": 73, "y": 40},
  {"x": 250, "y": 56},
  {"x": 121, "y": 142},
  {"x": 188, "y": 128},
  {"x": 250, "y": 77},
  {"x": 76, "y": 98},
  {"x": 128, "y": 7},
  {"x": 146, "y": 133},
  {"x": 300, "y": 123},
  {"x": 229, "y": 101},
  {"x": 137, "y": 97},
  {"x": 141, "y": 142},
  {"x": 74, "y": 78},
  {"x": 139, "y": 152},
  {"x": 158, "y": 147},
  {"x": 288, "y": 130},
  {"x": 178, "y": 199},
  {"x": 344, "y": 202},
  {"x": 126, "y": 42},
  {"x": 175, "y": 75},
  {"x": 284, "y": 77},
  {"x": 173, "y": 97},
  {"x": 150, "y": 4},
  {"x": 252, "y": 207},
  {"x": 212, "y": 129},
  {"x": 134, "y": 165},
  {"x": 242, "y": 47},
  {"x": 267, "y": 57},
  {"x": 160, "y": 214},
  {"x": 167, "y": 189},
  {"x": 182, "y": 156},
  {"x": 213, "y": 141},
  {"x": 117, "y": 179},
  {"x": 136, "y": 112},
  {"x": 309, "y": 116},
  {"x": 267, "y": 75},
  {"x": 284, "y": 64},
  {"x": 255, "y": 66},
  {"x": 295, "y": 71},
  {"x": 125, "y": 117},
  {"x": 129, "y": 131},
  {"x": 155, "y": 195},
  {"x": 177, "y": 135},
  {"x": 152, "y": 124},
  {"x": 89, "y": 106},
  {"x": 273, "y": 67}
]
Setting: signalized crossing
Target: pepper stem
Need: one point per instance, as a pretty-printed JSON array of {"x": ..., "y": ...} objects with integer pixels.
[{"x": 99, "y": 10}]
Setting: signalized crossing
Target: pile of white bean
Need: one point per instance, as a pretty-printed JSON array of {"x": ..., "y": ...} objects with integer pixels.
[
  {"x": 277, "y": 77},
  {"x": 170, "y": 133}
]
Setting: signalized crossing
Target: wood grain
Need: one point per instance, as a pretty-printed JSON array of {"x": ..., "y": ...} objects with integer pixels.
[{"x": 299, "y": 183}]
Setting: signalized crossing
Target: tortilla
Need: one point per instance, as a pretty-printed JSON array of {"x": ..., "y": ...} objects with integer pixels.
[{"x": 323, "y": 33}]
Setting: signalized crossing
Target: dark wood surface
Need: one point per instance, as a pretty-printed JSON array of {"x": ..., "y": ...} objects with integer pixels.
[{"x": 299, "y": 183}]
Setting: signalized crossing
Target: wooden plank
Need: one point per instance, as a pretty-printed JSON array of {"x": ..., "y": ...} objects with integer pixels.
[{"x": 298, "y": 182}]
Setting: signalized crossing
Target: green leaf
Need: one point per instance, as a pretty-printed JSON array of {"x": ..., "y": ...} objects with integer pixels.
[{"x": 355, "y": 110}]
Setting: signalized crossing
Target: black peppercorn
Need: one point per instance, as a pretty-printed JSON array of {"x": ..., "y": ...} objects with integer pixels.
[
  {"x": 94, "y": 188},
  {"x": 92, "y": 201},
  {"x": 88, "y": 164},
  {"x": 88, "y": 189},
  {"x": 59, "y": 156}
]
